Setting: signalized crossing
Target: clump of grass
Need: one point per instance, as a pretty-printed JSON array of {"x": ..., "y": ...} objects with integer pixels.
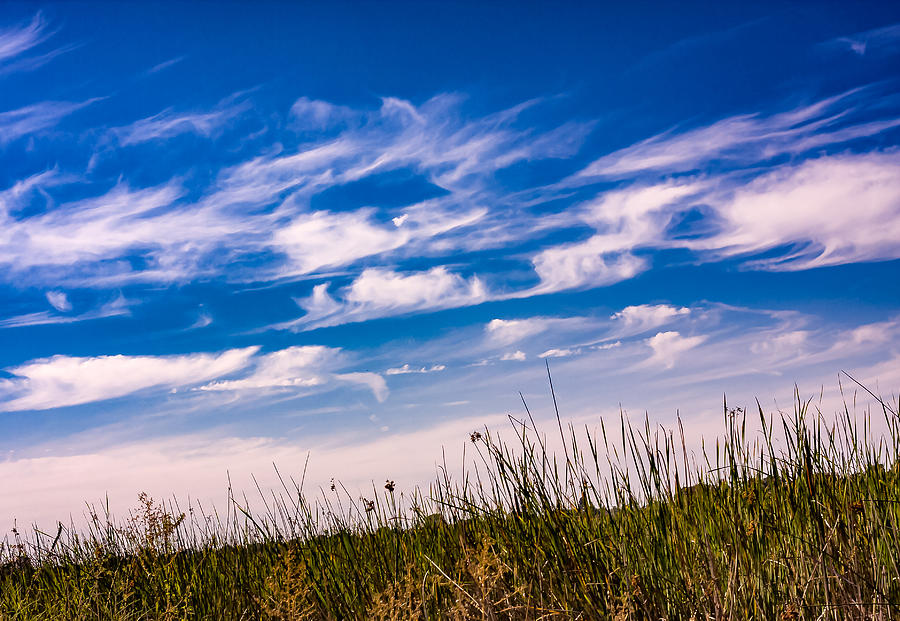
[{"x": 798, "y": 521}]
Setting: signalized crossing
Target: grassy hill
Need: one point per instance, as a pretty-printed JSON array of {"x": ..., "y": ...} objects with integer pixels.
[{"x": 798, "y": 521}]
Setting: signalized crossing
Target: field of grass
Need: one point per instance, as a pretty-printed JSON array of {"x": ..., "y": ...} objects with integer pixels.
[{"x": 798, "y": 521}]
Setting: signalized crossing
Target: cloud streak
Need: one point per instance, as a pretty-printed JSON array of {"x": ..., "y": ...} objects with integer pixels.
[
  {"x": 298, "y": 368},
  {"x": 255, "y": 219},
  {"x": 168, "y": 124},
  {"x": 116, "y": 307},
  {"x": 380, "y": 293},
  {"x": 62, "y": 381},
  {"x": 406, "y": 369},
  {"x": 743, "y": 140},
  {"x": 32, "y": 119},
  {"x": 17, "y": 42},
  {"x": 883, "y": 41},
  {"x": 807, "y": 207}
]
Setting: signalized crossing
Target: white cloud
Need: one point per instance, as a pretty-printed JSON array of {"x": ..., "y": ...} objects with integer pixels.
[
  {"x": 59, "y": 300},
  {"x": 14, "y": 41},
  {"x": 625, "y": 220},
  {"x": 831, "y": 210},
  {"x": 859, "y": 340},
  {"x": 293, "y": 367},
  {"x": 406, "y": 368},
  {"x": 646, "y": 316},
  {"x": 625, "y": 215},
  {"x": 880, "y": 332},
  {"x": 164, "y": 65},
  {"x": 432, "y": 139},
  {"x": 94, "y": 241},
  {"x": 33, "y": 319},
  {"x": 298, "y": 368},
  {"x": 62, "y": 381},
  {"x": 596, "y": 382},
  {"x": 18, "y": 40},
  {"x": 667, "y": 346},
  {"x": 322, "y": 239},
  {"x": 508, "y": 331},
  {"x": 33, "y": 118},
  {"x": 115, "y": 307},
  {"x": 436, "y": 287},
  {"x": 203, "y": 320},
  {"x": 876, "y": 42},
  {"x": 742, "y": 139},
  {"x": 378, "y": 292},
  {"x": 168, "y": 124},
  {"x": 559, "y": 353},
  {"x": 254, "y": 221},
  {"x": 583, "y": 265},
  {"x": 373, "y": 381},
  {"x": 788, "y": 342},
  {"x": 98, "y": 228},
  {"x": 517, "y": 355},
  {"x": 801, "y": 209},
  {"x": 314, "y": 114},
  {"x": 260, "y": 207}
]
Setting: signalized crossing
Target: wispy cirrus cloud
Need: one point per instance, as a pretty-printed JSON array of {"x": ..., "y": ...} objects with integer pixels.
[
  {"x": 876, "y": 42},
  {"x": 433, "y": 139},
  {"x": 798, "y": 209},
  {"x": 100, "y": 229},
  {"x": 164, "y": 65},
  {"x": 744, "y": 139},
  {"x": 261, "y": 206},
  {"x": 31, "y": 119},
  {"x": 168, "y": 124},
  {"x": 315, "y": 114},
  {"x": 115, "y": 307},
  {"x": 16, "y": 43},
  {"x": 18, "y": 40},
  {"x": 254, "y": 221},
  {"x": 18, "y": 46}
]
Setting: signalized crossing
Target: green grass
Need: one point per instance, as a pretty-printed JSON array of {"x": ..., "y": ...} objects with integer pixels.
[{"x": 800, "y": 520}]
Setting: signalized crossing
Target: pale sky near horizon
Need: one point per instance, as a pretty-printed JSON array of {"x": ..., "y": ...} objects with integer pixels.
[{"x": 234, "y": 234}]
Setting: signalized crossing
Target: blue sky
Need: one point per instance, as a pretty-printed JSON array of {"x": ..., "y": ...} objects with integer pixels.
[{"x": 246, "y": 234}]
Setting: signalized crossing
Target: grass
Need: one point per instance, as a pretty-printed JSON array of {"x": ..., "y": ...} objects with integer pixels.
[{"x": 800, "y": 520}]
